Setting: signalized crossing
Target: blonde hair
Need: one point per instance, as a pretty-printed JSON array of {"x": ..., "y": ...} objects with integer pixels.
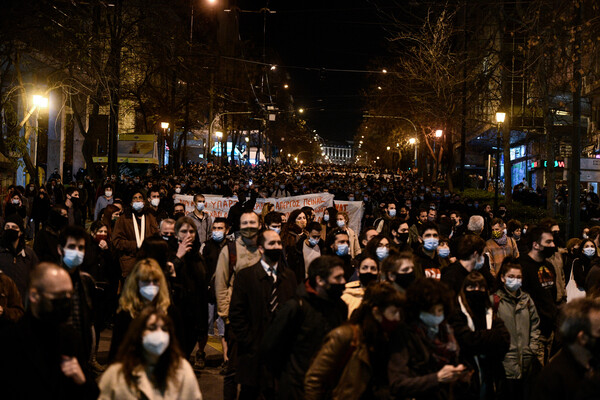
[
  {"x": 131, "y": 300},
  {"x": 345, "y": 215}
]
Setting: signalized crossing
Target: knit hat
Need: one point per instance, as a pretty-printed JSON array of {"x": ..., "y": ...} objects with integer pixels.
[{"x": 15, "y": 219}]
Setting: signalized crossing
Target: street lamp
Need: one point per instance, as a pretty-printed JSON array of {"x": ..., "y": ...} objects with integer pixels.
[
  {"x": 500, "y": 117},
  {"x": 286, "y": 86},
  {"x": 439, "y": 133},
  {"x": 414, "y": 141},
  {"x": 388, "y": 148},
  {"x": 40, "y": 101},
  {"x": 164, "y": 126},
  {"x": 301, "y": 110}
]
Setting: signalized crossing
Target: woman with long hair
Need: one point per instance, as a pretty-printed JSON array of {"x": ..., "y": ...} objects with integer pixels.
[
  {"x": 482, "y": 336},
  {"x": 352, "y": 363},
  {"x": 329, "y": 221},
  {"x": 293, "y": 230},
  {"x": 342, "y": 222},
  {"x": 425, "y": 362},
  {"x": 149, "y": 364},
  {"x": 146, "y": 285}
]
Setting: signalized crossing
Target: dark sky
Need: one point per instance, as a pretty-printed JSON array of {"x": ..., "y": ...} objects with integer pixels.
[{"x": 337, "y": 34}]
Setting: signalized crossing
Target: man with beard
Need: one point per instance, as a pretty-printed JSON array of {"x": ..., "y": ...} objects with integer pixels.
[
  {"x": 234, "y": 257},
  {"x": 400, "y": 236},
  {"x": 257, "y": 294},
  {"x": 41, "y": 357}
]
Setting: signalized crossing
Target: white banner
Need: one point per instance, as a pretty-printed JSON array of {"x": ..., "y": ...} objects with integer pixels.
[
  {"x": 355, "y": 211},
  {"x": 219, "y": 206}
]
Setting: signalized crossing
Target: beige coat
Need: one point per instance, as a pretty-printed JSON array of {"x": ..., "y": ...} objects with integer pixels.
[
  {"x": 353, "y": 295},
  {"x": 354, "y": 244},
  {"x": 184, "y": 387},
  {"x": 246, "y": 257}
]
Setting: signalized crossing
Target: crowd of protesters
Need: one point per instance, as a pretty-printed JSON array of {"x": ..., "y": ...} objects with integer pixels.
[{"x": 436, "y": 296}]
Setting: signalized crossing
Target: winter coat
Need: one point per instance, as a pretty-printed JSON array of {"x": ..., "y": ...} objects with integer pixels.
[
  {"x": 182, "y": 386},
  {"x": 295, "y": 336},
  {"x": 10, "y": 301},
  {"x": 249, "y": 314},
  {"x": 17, "y": 265},
  {"x": 123, "y": 238},
  {"x": 329, "y": 377},
  {"x": 520, "y": 317}
]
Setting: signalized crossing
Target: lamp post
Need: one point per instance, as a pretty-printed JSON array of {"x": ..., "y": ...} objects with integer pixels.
[
  {"x": 413, "y": 141},
  {"x": 500, "y": 117},
  {"x": 38, "y": 102}
]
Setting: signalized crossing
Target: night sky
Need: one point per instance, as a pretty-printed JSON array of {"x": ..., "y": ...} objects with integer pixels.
[{"x": 338, "y": 34}]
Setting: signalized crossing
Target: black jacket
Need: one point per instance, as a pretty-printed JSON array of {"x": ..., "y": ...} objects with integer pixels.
[
  {"x": 562, "y": 378},
  {"x": 296, "y": 335},
  {"x": 543, "y": 298},
  {"x": 17, "y": 264},
  {"x": 30, "y": 357},
  {"x": 249, "y": 314},
  {"x": 454, "y": 275},
  {"x": 295, "y": 259}
]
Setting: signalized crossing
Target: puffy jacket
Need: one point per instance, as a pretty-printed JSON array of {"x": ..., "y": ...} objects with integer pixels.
[{"x": 523, "y": 323}]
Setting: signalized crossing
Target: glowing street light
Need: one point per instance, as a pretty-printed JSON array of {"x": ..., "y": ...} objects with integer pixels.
[
  {"x": 164, "y": 125},
  {"x": 412, "y": 140},
  {"x": 500, "y": 117},
  {"x": 439, "y": 133},
  {"x": 301, "y": 110},
  {"x": 289, "y": 155},
  {"x": 211, "y": 2},
  {"x": 384, "y": 71},
  {"x": 219, "y": 134},
  {"x": 273, "y": 67},
  {"x": 296, "y": 159},
  {"x": 247, "y": 139},
  {"x": 40, "y": 101},
  {"x": 286, "y": 86},
  {"x": 388, "y": 148}
]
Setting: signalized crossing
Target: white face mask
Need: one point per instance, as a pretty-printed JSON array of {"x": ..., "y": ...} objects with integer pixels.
[
  {"x": 108, "y": 193},
  {"x": 149, "y": 292},
  {"x": 155, "y": 202},
  {"x": 156, "y": 342},
  {"x": 177, "y": 190},
  {"x": 200, "y": 205}
]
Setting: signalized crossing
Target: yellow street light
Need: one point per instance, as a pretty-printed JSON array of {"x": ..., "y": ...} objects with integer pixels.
[
  {"x": 289, "y": 155},
  {"x": 439, "y": 133},
  {"x": 211, "y": 2},
  {"x": 361, "y": 142},
  {"x": 500, "y": 117},
  {"x": 412, "y": 140},
  {"x": 388, "y": 148},
  {"x": 378, "y": 157},
  {"x": 296, "y": 159},
  {"x": 273, "y": 67},
  {"x": 301, "y": 110},
  {"x": 247, "y": 139},
  {"x": 164, "y": 125},
  {"x": 384, "y": 71},
  {"x": 301, "y": 162},
  {"x": 40, "y": 101},
  {"x": 286, "y": 86},
  {"x": 379, "y": 87},
  {"x": 219, "y": 134}
]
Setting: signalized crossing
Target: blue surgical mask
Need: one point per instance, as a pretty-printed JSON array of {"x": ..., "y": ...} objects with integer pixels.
[
  {"x": 218, "y": 236},
  {"x": 589, "y": 251},
  {"x": 313, "y": 241},
  {"x": 432, "y": 321},
  {"x": 137, "y": 205},
  {"x": 479, "y": 263},
  {"x": 392, "y": 213},
  {"x": 341, "y": 223},
  {"x": 276, "y": 230},
  {"x": 326, "y": 218},
  {"x": 513, "y": 284},
  {"x": 342, "y": 249},
  {"x": 200, "y": 205},
  {"x": 149, "y": 292},
  {"x": 444, "y": 252},
  {"x": 431, "y": 244},
  {"x": 382, "y": 252},
  {"x": 72, "y": 258}
]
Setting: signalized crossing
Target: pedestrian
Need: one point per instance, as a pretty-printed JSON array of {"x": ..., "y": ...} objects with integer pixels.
[
  {"x": 342, "y": 222},
  {"x": 41, "y": 357},
  {"x": 130, "y": 231},
  {"x": 299, "y": 327},
  {"x": 149, "y": 364},
  {"x": 304, "y": 252},
  {"x": 368, "y": 272},
  {"x": 257, "y": 294},
  {"x": 362, "y": 347},
  {"x": 500, "y": 246}
]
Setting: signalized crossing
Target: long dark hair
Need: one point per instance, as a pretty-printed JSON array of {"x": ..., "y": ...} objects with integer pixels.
[
  {"x": 380, "y": 295},
  {"x": 474, "y": 278},
  {"x": 131, "y": 351}
]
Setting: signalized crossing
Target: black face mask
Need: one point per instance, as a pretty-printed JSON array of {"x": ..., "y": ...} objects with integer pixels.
[
  {"x": 367, "y": 278},
  {"x": 335, "y": 290},
  {"x": 593, "y": 345},
  {"x": 402, "y": 237},
  {"x": 10, "y": 235},
  {"x": 273, "y": 255},
  {"x": 176, "y": 216},
  {"x": 55, "y": 311},
  {"x": 476, "y": 299},
  {"x": 405, "y": 280},
  {"x": 548, "y": 251}
]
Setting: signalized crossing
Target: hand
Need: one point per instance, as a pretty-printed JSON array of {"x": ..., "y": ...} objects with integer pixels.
[
  {"x": 71, "y": 369},
  {"x": 1, "y": 310},
  {"x": 103, "y": 245},
  {"x": 171, "y": 269},
  {"x": 450, "y": 373},
  {"x": 184, "y": 247}
]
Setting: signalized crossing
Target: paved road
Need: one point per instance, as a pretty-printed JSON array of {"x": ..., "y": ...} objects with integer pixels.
[{"x": 211, "y": 382}]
